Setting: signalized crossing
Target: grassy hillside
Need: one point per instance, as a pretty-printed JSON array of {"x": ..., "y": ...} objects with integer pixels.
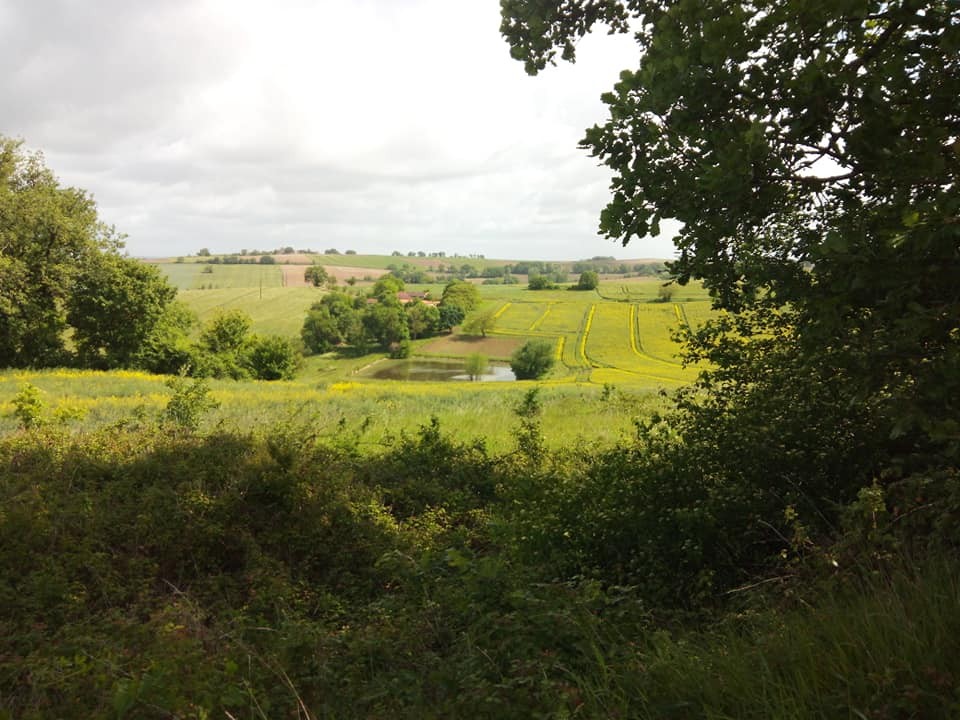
[
  {"x": 193, "y": 276},
  {"x": 274, "y": 311}
]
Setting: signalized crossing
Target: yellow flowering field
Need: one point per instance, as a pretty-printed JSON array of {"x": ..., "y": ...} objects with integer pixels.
[
  {"x": 608, "y": 338},
  {"x": 375, "y": 410}
]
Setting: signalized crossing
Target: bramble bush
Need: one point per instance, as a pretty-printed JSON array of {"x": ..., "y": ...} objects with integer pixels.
[{"x": 148, "y": 573}]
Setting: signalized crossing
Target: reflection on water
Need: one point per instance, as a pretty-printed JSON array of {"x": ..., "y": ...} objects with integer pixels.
[{"x": 435, "y": 371}]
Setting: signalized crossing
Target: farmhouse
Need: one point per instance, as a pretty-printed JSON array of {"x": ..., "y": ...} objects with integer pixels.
[{"x": 409, "y": 297}]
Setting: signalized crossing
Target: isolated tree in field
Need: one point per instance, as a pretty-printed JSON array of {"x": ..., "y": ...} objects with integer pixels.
[
  {"x": 316, "y": 275},
  {"x": 666, "y": 292},
  {"x": 540, "y": 282},
  {"x": 114, "y": 305},
  {"x": 589, "y": 280},
  {"x": 532, "y": 360},
  {"x": 481, "y": 323},
  {"x": 476, "y": 365},
  {"x": 811, "y": 152}
]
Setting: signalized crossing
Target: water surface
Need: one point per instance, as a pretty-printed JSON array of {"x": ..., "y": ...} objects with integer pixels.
[{"x": 440, "y": 370}]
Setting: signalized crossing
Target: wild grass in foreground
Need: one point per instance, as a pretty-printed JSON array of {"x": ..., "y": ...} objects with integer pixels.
[
  {"x": 876, "y": 644},
  {"x": 574, "y": 415}
]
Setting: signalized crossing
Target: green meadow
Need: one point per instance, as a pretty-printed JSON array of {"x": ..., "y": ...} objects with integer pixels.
[
  {"x": 197, "y": 276},
  {"x": 330, "y": 399},
  {"x": 622, "y": 333},
  {"x": 614, "y": 349},
  {"x": 274, "y": 310}
]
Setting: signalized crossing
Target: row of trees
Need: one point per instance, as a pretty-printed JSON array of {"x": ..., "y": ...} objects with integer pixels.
[
  {"x": 62, "y": 275},
  {"x": 287, "y": 250},
  {"x": 69, "y": 297},
  {"x": 611, "y": 266},
  {"x": 589, "y": 280},
  {"x": 237, "y": 260}
]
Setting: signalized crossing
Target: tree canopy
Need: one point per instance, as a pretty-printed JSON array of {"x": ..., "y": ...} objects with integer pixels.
[
  {"x": 532, "y": 360},
  {"x": 589, "y": 280},
  {"x": 461, "y": 294},
  {"x": 60, "y": 270},
  {"x": 317, "y": 275},
  {"x": 113, "y": 307},
  {"x": 811, "y": 152},
  {"x": 777, "y": 133}
]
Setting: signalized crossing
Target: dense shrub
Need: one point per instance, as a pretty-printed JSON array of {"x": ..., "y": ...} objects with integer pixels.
[
  {"x": 149, "y": 573},
  {"x": 532, "y": 360},
  {"x": 589, "y": 280},
  {"x": 272, "y": 358}
]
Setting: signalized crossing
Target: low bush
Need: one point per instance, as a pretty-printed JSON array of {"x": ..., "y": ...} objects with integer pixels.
[
  {"x": 532, "y": 360},
  {"x": 149, "y": 573}
]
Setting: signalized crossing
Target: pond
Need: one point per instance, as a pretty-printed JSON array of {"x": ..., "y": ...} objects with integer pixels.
[{"x": 436, "y": 371}]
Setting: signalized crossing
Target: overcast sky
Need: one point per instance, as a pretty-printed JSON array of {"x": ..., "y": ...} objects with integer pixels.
[{"x": 372, "y": 125}]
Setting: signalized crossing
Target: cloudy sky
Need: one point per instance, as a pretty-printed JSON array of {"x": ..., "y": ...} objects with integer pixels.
[{"x": 373, "y": 125}]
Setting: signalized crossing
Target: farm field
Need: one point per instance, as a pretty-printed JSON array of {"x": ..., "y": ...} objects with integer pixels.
[
  {"x": 619, "y": 334},
  {"x": 191, "y": 276},
  {"x": 616, "y": 343},
  {"x": 274, "y": 310},
  {"x": 616, "y": 337}
]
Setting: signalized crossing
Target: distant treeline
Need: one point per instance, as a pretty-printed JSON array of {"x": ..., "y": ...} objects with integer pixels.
[
  {"x": 501, "y": 273},
  {"x": 505, "y": 274}
]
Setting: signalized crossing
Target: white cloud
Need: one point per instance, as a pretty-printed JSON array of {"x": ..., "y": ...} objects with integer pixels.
[{"x": 378, "y": 124}]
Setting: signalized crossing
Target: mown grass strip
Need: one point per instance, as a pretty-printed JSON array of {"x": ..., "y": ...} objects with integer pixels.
[
  {"x": 539, "y": 321},
  {"x": 585, "y": 334}
]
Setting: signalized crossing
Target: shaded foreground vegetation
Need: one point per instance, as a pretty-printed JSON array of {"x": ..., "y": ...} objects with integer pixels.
[
  {"x": 151, "y": 572},
  {"x": 781, "y": 543}
]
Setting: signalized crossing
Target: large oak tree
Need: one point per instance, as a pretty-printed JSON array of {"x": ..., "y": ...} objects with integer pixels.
[
  {"x": 811, "y": 151},
  {"x": 60, "y": 271}
]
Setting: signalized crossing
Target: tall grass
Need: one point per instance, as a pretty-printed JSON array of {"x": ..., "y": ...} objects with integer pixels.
[
  {"x": 878, "y": 647},
  {"x": 328, "y": 399}
]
